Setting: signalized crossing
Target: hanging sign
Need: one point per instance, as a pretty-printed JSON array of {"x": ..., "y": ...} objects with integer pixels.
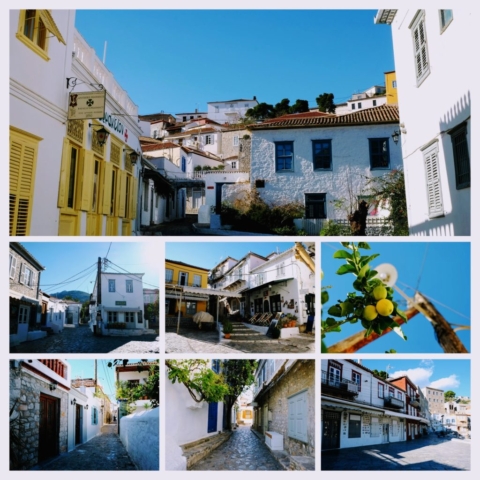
[{"x": 86, "y": 105}]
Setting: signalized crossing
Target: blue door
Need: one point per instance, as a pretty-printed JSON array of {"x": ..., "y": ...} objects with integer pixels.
[{"x": 212, "y": 417}]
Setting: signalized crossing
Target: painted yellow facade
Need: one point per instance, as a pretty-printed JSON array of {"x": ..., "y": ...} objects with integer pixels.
[
  {"x": 90, "y": 181},
  {"x": 179, "y": 273},
  {"x": 391, "y": 87}
]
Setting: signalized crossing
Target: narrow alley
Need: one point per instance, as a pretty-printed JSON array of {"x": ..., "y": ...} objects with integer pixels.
[
  {"x": 82, "y": 340},
  {"x": 242, "y": 451},
  {"x": 103, "y": 452}
]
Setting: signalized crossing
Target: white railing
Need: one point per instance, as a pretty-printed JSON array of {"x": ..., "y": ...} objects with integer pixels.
[
  {"x": 313, "y": 226},
  {"x": 86, "y": 55}
]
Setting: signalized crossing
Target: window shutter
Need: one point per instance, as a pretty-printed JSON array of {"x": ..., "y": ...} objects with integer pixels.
[
  {"x": 62, "y": 188},
  {"x": 133, "y": 198},
  {"x": 23, "y": 156},
  {"x": 434, "y": 190},
  {"x": 420, "y": 48},
  {"x": 22, "y": 274},
  {"x": 121, "y": 192},
  {"x": 107, "y": 188},
  {"x": 13, "y": 266},
  {"x": 86, "y": 190},
  {"x": 32, "y": 280}
]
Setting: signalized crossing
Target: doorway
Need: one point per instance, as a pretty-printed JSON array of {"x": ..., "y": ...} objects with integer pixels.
[
  {"x": 331, "y": 430},
  {"x": 49, "y": 427}
]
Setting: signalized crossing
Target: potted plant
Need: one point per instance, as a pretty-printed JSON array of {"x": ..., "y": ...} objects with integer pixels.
[{"x": 227, "y": 329}]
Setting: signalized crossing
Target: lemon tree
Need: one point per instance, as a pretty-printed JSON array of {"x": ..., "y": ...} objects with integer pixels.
[{"x": 371, "y": 304}]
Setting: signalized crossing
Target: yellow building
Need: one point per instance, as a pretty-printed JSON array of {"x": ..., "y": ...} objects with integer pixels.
[
  {"x": 183, "y": 274},
  {"x": 391, "y": 86}
]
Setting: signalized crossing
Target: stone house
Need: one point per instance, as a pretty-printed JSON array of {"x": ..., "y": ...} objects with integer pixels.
[
  {"x": 435, "y": 80},
  {"x": 25, "y": 295},
  {"x": 284, "y": 405},
  {"x": 323, "y": 161},
  {"x": 39, "y": 401}
]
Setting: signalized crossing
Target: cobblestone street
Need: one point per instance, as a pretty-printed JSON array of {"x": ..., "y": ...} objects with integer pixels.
[
  {"x": 242, "y": 451},
  {"x": 429, "y": 453},
  {"x": 82, "y": 340},
  {"x": 103, "y": 452}
]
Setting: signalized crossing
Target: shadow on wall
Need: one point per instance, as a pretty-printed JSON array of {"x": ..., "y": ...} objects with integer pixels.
[{"x": 458, "y": 220}]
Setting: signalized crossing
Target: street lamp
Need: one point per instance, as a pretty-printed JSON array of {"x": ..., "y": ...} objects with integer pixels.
[{"x": 102, "y": 134}]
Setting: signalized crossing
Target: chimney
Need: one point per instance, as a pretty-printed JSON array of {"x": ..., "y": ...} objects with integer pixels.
[{"x": 254, "y": 97}]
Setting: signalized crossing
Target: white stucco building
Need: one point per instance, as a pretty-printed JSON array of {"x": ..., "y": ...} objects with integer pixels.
[
  {"x": 188, "y": 421},
  {"x": 120, "y": 309},
  {"x": 63, "y": 181},
  {"x": 373, "y": 97},
  {"x": 230, "y": 111},
  {"x": 321, "y": 160},
  {"x": 435, "y": 75}
]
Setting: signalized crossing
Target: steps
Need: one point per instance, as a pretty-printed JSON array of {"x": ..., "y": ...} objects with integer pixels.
[{"x": 199, "y": 449}]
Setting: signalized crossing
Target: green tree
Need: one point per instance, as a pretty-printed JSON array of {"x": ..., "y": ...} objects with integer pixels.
[
  {"x": 300, "y": 106},
  {"x": 450, "y": 395},
  {"x": 381, "y": 373},
  {"x": 389, "y": 189},
  {"x": 203, "y": 384},
  {"x": 325, "y": 103},
  {"x": 260, "y": 112},
  {"x": 282, "y": 108}
]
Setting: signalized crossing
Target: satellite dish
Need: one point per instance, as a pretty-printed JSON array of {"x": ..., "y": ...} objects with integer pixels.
[{"x": 387, "y": 273}]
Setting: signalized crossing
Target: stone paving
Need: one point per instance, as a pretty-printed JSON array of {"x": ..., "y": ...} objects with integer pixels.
[
  {"x": 103, "y": 452},
  {"x": 242, "y": 451},
  {"x": 429, "y": 453},
  {"x": 82, "y": 340},
  {"x": 245, "y": 338}
]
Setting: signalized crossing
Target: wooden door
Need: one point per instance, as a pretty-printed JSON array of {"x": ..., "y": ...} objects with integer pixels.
[
  {"x": 78, "y": 423},
  {"x": 49, "y": 427}
]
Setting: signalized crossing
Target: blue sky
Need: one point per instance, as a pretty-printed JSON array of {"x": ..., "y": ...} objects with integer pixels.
[
  {"x": 178, "y": 60},
  {"x": 439, "y": 270},
  {"x": 209, "y": 254},
  {"x": 67, "y": 259},
  {"x": 442, "y": 374}
]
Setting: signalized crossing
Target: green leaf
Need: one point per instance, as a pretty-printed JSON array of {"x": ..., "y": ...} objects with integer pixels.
[
  {"x": 324, "y": 347},
  {"x": 377, "y": 328},
  {"x": 363, "y": 271},
  {"x": 368, "y": 332},
  {"x": 347, "y": 308},
  {"x": 401, "y": 314},
  {"x": 371, "y": 274},
  {"x": 364, "y": 245},
  {"x": 357, "y": 285},
  {"x": 335, "y": 310},
  {"x": 368, "y": 258},
  {"x": 345, "y": 269},
  {"x": 346, "y": 245},
  {"x": 342, "y": 254},
  {"x": 330, "y": 321},
  {"x": 392, "y": 350},
  {"x": 366, "y": 324},
  {"x": 325, "y": 297}
]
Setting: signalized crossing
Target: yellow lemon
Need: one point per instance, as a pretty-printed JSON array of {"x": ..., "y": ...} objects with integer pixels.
[
  {"x": 370, "y": 313},
  {"x": 385, "y": 307},
  {"x": 380, "y": 292}
]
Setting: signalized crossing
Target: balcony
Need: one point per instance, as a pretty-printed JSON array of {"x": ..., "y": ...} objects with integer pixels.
[
  {"x": 338, "y": 387},
  {"x": 392, "y": 402},
  {"x": 56, "y": 366}
]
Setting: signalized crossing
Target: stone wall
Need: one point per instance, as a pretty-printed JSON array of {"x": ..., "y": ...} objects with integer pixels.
[
  {"x": 25, "y": 389},
  {"x": 301, "y": 377},
  {"x": 15, "y": 285}
]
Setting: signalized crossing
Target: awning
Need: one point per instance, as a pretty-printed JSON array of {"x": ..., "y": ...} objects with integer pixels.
[
  {"x": 346, "y": 403},
  {"x": 187, "y": 297},
  {"x": 50, "y": 25},
  {"x": 19, "y": 296},
  {"x": 203, "y": 291},
  {"x": 122, "y": 309}
]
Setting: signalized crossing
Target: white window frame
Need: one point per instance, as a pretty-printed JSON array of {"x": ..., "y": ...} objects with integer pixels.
[
  {"x": 111, "y": 285},
  {"x": 420, "y": 47},
  {"x": 235, "y": 141},
  {"x": 444, "y": 23},
  {"x": 168, "y": 275},
  {"x": 208, "y": 139},
  {"x": 197, "y": 280},
  {"x": 433, "y": 181},
  {"x": 27, "y": 279},
  {"x": 129, "y": 286}
]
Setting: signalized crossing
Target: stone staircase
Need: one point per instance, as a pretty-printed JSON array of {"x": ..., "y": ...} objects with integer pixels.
[{"x": 199, "y": 449}]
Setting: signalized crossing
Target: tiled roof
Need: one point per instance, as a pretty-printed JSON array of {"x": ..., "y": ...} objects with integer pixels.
[
  {"x": 159, "y": 146},
  {"x": 293, "y": 116},
  {"x": 186, "y": 264},
  {"x": 368, "y": 116},
  {"x": 194, "y": 131},
  {"x": 156, "y": 117}
]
